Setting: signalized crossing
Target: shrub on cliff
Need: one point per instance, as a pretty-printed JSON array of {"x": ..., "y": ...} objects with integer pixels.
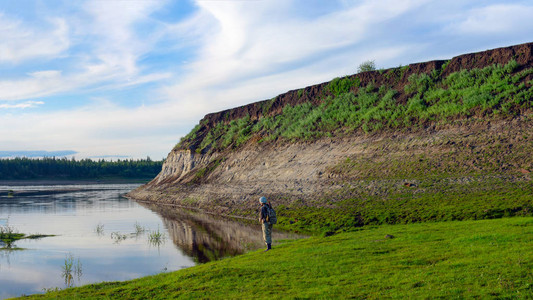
[{"x": 367, "y": 66}]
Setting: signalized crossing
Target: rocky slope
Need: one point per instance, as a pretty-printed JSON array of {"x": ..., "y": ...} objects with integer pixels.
[{"x": 327, "y": 169}]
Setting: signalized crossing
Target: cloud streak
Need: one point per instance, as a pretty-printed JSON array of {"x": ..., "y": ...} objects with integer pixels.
[
  {"x": 497, "y": 19},
  {"x": 26, "y": 104},
  {"x": 20, "y": 42}
]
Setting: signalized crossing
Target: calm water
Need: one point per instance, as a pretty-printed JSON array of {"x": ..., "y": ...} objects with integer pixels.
[{"x": 105, "y": 237}]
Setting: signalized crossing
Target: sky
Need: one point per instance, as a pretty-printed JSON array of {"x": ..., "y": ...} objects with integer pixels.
[{"x": 129, "y": 78}]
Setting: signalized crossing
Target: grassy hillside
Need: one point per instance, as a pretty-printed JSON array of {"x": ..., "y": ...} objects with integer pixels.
[
  {"x": 346, "y": 107},
  {"x": 469, "y": 259}
]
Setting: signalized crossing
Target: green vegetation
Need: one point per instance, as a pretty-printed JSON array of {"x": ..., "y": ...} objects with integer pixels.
[
  {"x": 203, "y": 172},
  {"x": 156, "y": 238},
  {"x": 367, "y": 66},
  {"x": 118, "y": 237},
  {"x": 9, "y": 235},
  {"x": 99, "y": 230},
  {"x": 469, "y": 259},
  {"x": 339, "y": 86},
  {"x": 69, "y": 269},
  {"x": 492, "y": 92},
  {"x": 71, "y": 169},
  {"x": 392, "y": 202},
  {"x": 139, "y": 229},
  {"x": 300, "y": 93}
]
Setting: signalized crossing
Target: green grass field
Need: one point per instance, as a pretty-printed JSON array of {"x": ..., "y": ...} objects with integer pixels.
[
  {"x": 466, "y": 259},
  {"x": 388, "y": 202}
]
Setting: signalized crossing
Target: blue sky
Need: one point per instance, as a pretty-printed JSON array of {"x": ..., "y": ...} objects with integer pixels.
[{"x": 130, "y": 77}]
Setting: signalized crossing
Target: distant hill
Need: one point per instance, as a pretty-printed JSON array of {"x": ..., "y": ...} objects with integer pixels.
[{"x": 38, "y": 153}]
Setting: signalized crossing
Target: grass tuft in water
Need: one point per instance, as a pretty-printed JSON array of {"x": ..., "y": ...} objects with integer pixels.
[
  {"x": 118, "y": 237},
  {"x": 9, "y": 235},
  {"x": 70, "y": 270},
  {"x": 99, "y": 230},
  {"x": 156, "y": 238},
  {"x": 139, "y": 229}
]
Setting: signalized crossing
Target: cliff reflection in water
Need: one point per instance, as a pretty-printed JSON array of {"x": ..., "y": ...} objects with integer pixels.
[{"x": 208, "y": 237}]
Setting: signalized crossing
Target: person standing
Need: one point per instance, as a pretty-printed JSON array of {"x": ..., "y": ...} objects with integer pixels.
[{"x": 267, "y": 226}]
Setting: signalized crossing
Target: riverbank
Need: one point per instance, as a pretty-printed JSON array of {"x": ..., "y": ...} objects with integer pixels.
[{"x": 467, "y": 259}]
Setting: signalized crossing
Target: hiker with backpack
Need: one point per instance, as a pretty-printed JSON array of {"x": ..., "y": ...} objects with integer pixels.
[{"x": 267, "y": 218}]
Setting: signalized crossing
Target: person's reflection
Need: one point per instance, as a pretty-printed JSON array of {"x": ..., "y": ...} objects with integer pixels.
[{"x": 207, "y": 237}]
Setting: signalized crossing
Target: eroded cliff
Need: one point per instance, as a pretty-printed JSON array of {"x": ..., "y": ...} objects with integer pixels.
[{"x": 322, "y": 171}]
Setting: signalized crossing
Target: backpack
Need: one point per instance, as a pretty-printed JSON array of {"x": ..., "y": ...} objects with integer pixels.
[{"x": 271, "y": 218}]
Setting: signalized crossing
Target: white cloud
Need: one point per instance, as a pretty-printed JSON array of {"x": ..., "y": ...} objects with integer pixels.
[
  {"x": 20, "y": 42},
  {"x": 497, "y": 19},
  {"x": 113, "y": 23},
  {"x": 45, "y": 74},
  {"x": 26, "y": 104},
  {"x": 35, "y": 85},
  {"x": 110, "y": 57},
  {"x": 100, "y": 128}
]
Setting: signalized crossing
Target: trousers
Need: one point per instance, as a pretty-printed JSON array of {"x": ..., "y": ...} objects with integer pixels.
[{"x": 267, "y": 233}]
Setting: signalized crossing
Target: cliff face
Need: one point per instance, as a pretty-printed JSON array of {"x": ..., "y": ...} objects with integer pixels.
[
  {"x": 179, "y": 164},
  {"x": 320, "y": 172}
]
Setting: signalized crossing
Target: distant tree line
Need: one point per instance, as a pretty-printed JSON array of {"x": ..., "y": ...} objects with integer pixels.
[{"x": 63, "y": 168}]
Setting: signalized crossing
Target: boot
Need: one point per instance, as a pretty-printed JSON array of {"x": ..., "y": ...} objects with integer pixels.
[{"x": 269, "y": 247}]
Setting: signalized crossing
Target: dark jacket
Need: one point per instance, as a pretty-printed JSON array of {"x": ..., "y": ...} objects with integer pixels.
[{"x": 264, "y": 212}]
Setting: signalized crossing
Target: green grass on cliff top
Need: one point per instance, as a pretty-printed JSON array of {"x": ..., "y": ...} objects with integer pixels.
[
  {"x": 468, "y": 259},
  {"x": 496, "y": 91}
]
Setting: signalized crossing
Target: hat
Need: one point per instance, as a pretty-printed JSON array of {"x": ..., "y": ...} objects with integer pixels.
[{"x": 263, "y": 200}]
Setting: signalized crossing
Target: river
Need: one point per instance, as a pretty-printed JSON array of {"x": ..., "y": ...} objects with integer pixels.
[{"x": 99, "y": 235}]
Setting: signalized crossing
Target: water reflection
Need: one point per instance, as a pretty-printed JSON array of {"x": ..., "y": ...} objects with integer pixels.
[
  {"x": 207, "y": 237},
  {"x": 60, "y": 199}
]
